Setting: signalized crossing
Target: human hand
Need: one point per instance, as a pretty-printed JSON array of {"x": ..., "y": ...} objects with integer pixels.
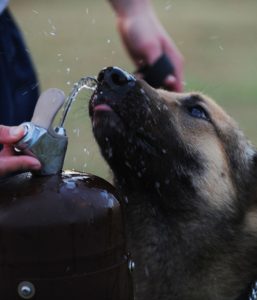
[
  {"x": 146, "y": 40},
  {"x": 9, "y": 160}
]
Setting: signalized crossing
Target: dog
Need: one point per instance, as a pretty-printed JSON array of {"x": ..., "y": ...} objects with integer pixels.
[{"x": 188, "y": 179}]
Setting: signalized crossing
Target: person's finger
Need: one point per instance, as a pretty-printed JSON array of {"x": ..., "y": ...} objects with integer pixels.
[
  {"x": 9, "y": 135},
  {"x": 170, "y": 83},
  {"x": 177, "y": 79},
  {"x": 178, "y": 63},
  {"x": 173, "y": 84},
  {"x": 18, "y": 163},
  {"x": 7, "y": 150}
]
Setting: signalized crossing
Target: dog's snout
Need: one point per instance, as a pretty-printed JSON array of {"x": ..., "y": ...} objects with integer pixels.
[{"x": 115, "y": 77}]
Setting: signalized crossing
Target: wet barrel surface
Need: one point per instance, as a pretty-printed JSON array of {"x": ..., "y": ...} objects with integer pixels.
[{"x": 64, "y": 235}]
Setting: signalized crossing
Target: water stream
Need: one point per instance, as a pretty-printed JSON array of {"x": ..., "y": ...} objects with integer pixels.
[{"x": 89, "y": 83}]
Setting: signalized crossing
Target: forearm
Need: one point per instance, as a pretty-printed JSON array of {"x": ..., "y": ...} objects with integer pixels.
[{"x": 130, "y": 7}]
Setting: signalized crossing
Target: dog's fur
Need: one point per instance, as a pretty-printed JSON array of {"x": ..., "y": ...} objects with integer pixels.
[{"x": 188, "y": 177}]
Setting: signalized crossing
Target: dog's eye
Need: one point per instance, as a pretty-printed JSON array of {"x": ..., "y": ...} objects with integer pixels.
[{"x": 198, "y": 112}]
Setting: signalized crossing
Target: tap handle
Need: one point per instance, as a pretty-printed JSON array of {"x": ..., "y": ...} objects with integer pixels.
[{"x": 47, "y": 107}]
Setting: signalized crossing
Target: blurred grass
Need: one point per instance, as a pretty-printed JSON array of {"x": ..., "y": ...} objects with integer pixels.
[{"x": 71, "y": 39}]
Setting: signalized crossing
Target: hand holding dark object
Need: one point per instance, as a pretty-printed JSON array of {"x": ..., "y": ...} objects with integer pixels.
[
  {"x": 9, "y": 160},
  {"x": 147, "y": 41},
  {"x": 156, "y": 75}
]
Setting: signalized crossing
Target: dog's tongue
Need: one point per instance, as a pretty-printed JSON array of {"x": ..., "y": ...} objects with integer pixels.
[{"x": 102, "y": 107}]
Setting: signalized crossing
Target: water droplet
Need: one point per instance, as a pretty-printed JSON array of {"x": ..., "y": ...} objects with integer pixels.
[
  {"x": 70, "y": 185},
  {"x": 157, "y": 186},
  {"x": 128, "y": 164},
  {"x": 108, "y": 41},
  {"x": 131, "y": 265},
  {"x": 109, "y": 152},
  {"x": 165, "y": 107},
  {"x": 24, "y": 93},
  {"x": 104, "y": 194},
  {"x": 167, "y": 181},
  {"x": 76, "y": 131},
  {"x": 168, "y": 7},
  {"x": 146, "y": 271},
  {"x": 110, "y": 202},
  {"x": 34, "y": 86},
  {"x": 35, "y": 11},
  {"x": 86, "y": 151}
]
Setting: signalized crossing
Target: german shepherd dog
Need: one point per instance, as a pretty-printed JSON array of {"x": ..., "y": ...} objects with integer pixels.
[{"x": 188, "y": 178}]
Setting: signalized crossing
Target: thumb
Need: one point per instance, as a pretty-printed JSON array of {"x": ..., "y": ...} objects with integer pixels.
[{"x": 9, "y": 135}]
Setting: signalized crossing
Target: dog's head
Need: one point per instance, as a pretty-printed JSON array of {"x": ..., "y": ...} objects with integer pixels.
[{"x": 169, "y": 143}]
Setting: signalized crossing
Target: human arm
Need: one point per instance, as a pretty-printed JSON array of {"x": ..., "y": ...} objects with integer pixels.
[
  {"x": 9, "y": 160},
  {"x": 146, "y": 39}
]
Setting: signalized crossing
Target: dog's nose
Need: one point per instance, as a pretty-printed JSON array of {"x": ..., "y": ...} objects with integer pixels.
[{"x": 115, "y": 77}]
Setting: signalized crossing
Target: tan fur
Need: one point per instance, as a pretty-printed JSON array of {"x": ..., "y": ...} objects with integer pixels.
[{"x": 217, "y": 192}]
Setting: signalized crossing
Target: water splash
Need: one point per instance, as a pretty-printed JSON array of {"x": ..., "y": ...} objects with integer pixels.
[{"x": 89, "y": 83}]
